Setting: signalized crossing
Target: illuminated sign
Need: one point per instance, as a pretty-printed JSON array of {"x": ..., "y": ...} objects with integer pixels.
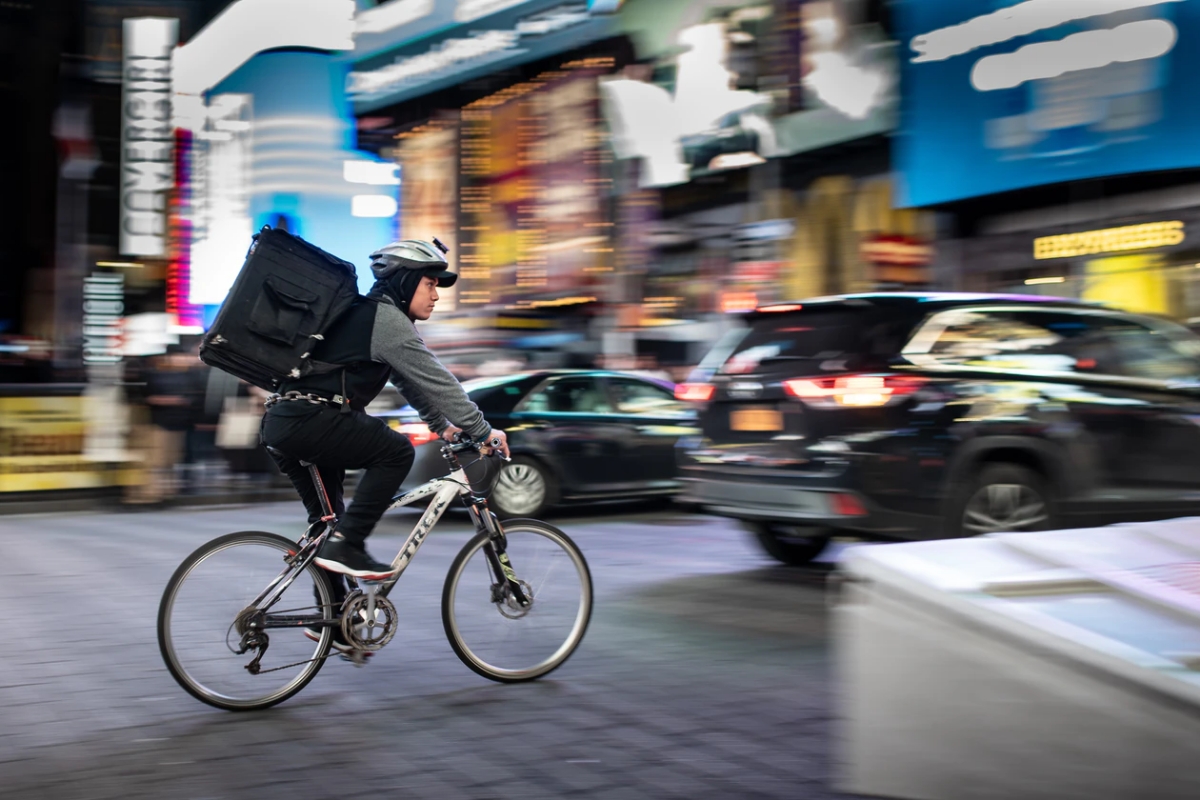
[
  {"x": 896, "y": 250},
  {"x": 221, "y": 219},
  {"x": 478, "y": 48},
  {"x": 103, "y": 312},
  {"x": 450, "y": 53},
  {"x": 147, "y": 135},
  {"x": 1039, "y": 92},
  {"x": 469, "y": 10},
  {"x": 374, "y": 173},
  {"x": 392, "y": 15},
  {"x": 1012, "y": 22},
  {"x": 1109, "y": 240}
]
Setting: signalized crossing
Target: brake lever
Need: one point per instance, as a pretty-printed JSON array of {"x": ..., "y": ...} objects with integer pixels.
[{"x": 495, "y": 448}]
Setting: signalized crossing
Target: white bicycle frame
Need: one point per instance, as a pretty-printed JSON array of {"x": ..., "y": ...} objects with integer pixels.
[{"x": 443, "y": 490}]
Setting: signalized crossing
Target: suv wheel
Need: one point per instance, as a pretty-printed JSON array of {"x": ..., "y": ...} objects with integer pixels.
[
  {"x": 1003, "y": 498},
  {"x": 794, "y": 545}
]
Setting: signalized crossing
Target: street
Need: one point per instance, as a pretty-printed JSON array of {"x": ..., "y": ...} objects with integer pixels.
[{"x": 705, "y": 673}]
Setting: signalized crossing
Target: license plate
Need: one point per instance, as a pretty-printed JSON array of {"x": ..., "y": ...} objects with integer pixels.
[{"x": 755, "y": 419}]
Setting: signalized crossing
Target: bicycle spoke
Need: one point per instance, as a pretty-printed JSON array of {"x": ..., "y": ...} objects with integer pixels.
[
  {"x": 506, "y": 641},
  {"x": 203, "y": 606}
]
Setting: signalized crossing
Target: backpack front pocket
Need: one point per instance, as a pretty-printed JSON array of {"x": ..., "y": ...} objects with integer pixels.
[{"x": 280, "y": 310}]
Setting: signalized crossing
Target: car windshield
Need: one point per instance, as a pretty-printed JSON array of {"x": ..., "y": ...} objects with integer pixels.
[{"x": 477, "y": 384}]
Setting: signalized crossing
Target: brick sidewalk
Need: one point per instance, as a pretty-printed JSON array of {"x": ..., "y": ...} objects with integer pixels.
[{"x": 704, "y": 674}]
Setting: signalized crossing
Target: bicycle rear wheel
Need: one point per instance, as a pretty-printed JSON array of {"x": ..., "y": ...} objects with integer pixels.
[
  {"x": 493, "y": 635},
  {"x": 204, "y": 597}
]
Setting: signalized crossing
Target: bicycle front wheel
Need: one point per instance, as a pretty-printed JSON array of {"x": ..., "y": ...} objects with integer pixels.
[
  {"x": 197, "y": 632},
  {"x": 490, "y": 632}
]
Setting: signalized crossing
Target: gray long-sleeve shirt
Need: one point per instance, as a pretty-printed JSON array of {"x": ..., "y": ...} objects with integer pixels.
[{"x": 421, "y": 378}]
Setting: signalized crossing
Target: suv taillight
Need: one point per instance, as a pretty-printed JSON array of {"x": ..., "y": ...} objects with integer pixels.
[
  {"x": 855, "y": 391},
  {"x": 695, "y": 392}
]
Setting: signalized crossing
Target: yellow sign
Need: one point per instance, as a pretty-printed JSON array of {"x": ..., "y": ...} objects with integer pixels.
[
  {"x": 1109, "y": 240},
  {"x": 41, "y": 447},
  {"x": 1132, "y": 283}
]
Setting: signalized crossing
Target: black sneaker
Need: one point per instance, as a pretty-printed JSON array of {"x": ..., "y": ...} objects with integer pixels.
[
  {"x": 339, "y": 555},
  {"x": 339, "y": 642}
]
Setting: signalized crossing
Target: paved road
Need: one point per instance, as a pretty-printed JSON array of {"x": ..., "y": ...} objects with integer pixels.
[{"x": 705, "y": 673}]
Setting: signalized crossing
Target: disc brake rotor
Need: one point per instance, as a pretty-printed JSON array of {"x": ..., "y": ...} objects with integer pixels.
[{"x": 509, "y": 607}]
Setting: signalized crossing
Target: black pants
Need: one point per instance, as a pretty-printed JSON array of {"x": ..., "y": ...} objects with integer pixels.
[{"x": 335, "y": 442}]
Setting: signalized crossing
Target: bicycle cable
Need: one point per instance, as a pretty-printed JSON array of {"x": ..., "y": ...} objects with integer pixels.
[
  {"x": 491, "y": 487},
  {"x": 233, "y": 624}
]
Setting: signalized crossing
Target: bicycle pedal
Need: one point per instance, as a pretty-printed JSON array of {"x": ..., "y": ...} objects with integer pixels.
[{"x": 358, "y": 658}]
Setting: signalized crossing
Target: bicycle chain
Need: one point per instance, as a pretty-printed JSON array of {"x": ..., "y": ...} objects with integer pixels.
[
  {"x": 298, "y": 663},
  {"x": 332, "y": 652}
]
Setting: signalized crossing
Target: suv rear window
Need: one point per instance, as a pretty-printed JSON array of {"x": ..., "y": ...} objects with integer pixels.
[
  {"x": 1056, "y": 341},
  {"x": 809, "y": 341}
]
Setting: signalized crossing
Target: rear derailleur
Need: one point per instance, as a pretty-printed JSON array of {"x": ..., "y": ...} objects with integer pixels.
[{"x": 248, "y": 623}]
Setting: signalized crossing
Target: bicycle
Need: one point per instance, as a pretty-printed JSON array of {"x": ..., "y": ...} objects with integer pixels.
[{"x": 512, "y": 563}]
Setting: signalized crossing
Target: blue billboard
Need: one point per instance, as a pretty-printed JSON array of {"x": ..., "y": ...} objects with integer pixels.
[{"x": 1005, "y": 94}]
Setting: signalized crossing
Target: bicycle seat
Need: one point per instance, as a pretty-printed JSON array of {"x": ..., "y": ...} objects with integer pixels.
[{"x": 276, "y": 451}]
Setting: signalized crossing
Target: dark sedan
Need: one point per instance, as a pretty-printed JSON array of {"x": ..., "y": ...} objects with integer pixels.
[{"x": 574, "y": 436}]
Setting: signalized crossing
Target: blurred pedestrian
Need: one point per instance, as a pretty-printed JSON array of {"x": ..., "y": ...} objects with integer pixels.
[
  {"x": 242, "y": 410},
  {"x": 200, "y": 456},
  {"x": 171, "y": 398}
]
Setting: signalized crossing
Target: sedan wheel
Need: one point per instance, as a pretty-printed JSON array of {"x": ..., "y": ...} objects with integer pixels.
[
  {"x": 1006, "y": 498},
  {"x": 522, "y": 489}
]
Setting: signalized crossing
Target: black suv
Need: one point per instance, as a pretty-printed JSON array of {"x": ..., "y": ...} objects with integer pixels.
[{"x": 915, "y": 416}]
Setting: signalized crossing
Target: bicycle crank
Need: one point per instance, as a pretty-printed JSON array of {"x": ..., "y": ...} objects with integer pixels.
[{"x": 368, "y": 620}]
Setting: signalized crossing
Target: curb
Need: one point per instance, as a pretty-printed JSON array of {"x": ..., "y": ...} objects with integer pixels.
[{"x": 112, "y": 502}]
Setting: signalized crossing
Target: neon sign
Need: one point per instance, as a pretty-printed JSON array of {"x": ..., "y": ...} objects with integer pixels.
[{"x": 1109, "y": 240}]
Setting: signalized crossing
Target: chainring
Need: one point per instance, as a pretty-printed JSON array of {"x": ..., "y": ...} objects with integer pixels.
[{"x": 364, "y": 633}]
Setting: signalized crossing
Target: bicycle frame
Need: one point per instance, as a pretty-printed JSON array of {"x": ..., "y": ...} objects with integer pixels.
[{"x": 443, "y": 490}]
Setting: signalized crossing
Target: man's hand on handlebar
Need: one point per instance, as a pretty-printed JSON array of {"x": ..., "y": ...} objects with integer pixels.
[{"x": 496, "y": 441}]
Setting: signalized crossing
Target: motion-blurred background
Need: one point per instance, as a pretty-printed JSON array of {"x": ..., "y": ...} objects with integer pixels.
[{"x": 616, "y": 181}]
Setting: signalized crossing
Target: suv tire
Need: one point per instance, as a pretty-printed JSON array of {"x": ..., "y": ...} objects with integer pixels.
[
  {"x": 794, "y": 545},
  {"x": 1002, "y": 497}
]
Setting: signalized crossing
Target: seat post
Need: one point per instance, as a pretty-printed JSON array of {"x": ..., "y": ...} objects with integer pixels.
[{"x": 322, "y": 495}]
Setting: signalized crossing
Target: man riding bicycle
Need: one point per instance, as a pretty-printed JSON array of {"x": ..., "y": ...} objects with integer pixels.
[{"x": 321, "y": 419}]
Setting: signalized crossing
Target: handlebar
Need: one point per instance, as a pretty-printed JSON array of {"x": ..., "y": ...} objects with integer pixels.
[{"x": 463, "y": 443}]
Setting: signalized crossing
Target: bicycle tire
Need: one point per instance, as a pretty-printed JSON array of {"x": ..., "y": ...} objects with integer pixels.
[
  {"x": 514, "y": 530},
  {"x": 167, "y": 647}
]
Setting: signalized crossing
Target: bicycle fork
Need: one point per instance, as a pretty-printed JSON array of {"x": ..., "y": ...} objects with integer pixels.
[{"x": 497, "y": 557}]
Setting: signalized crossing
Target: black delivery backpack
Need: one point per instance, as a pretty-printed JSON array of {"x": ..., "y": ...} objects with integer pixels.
[{"x": 287, "y": 295}]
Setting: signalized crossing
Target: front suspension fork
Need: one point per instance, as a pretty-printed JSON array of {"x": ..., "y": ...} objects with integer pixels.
[{"x": 496, "y": 553}]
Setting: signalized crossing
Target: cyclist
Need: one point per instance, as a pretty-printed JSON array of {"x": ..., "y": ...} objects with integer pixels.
[{"x": 321, "y": 418}]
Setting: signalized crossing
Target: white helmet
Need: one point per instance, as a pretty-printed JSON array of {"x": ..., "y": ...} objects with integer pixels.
[{"x": 413, "y": 254}]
